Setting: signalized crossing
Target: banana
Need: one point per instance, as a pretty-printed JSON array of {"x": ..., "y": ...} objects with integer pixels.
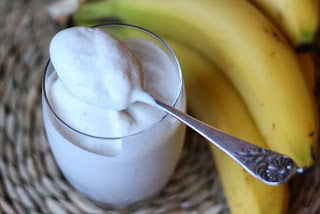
[
  {"x": 248, "y": 48},
  {"x": 298, "y": 19},
  {"x": 308, "y": 69},
  {"x": 212, "y": 99}
]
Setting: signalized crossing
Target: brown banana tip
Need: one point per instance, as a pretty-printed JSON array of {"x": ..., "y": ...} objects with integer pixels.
[
  {"x": 70, "y": 22},
  {"x": 304, "y": 47}
]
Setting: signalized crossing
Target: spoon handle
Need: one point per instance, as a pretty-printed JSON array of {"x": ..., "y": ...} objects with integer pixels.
[{"x": 270, "y": 167}]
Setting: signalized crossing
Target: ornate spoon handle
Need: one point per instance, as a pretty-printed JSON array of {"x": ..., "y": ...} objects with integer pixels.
[{"x": 270, "y": 167}]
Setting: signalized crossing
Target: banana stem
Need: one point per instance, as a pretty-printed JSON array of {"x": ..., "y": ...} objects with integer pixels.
[{"x": 90, "y": 12}]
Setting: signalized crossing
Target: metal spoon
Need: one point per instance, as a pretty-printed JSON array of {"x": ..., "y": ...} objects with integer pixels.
[{"x": 270, "y": 167}]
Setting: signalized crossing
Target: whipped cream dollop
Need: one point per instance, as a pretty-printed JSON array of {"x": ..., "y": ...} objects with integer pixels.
[
  {"x": 102, "y": 86},
  {"x": 98, "y": 68},
  {"x": 109, "y": 146}
]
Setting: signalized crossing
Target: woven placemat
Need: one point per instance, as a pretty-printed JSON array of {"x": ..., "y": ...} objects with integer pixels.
[{"x": 30, "y": 181}]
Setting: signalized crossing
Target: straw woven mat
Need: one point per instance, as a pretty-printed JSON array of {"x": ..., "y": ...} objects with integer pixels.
[{"x": 30, "y": 181}]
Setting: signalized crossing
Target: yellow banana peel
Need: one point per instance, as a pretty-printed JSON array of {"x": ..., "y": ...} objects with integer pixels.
[
  {"x": 298, "y": 19},
  {"x": 247, "y": 48},
  {"x": 212, "y": 99}
]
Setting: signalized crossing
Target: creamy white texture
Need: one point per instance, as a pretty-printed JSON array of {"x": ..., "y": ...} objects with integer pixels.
[
  {"x": 98, "y": 68},
  {"x": 141, "y": 163},
  {"x": 100, "y": 98}
]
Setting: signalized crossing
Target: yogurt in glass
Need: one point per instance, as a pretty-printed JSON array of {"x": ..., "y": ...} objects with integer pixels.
[{"x": 110, "y": 141}]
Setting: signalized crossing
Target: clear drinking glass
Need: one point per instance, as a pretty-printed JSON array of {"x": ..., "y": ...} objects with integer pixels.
[{"x": 129, "y": 178}]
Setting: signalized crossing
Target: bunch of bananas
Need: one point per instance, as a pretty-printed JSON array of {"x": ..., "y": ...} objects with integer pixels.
[{"x": 243, "y": 75}]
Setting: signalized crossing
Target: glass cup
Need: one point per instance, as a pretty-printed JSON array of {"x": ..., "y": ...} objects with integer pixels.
[{"x": 147, "y": 158}]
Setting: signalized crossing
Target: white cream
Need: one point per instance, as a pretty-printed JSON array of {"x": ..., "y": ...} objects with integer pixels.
[
  {"x": 138, "y": 163},
  {"x": 98, "y": 68},
  {"x": 99, "y": 78}
]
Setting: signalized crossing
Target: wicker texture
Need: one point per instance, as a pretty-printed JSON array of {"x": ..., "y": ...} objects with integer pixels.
[{"x": 30, "y": 181}]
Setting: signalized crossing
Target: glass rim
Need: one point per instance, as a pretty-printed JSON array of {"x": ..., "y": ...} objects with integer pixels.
[{"x": 176, "y": 61}]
